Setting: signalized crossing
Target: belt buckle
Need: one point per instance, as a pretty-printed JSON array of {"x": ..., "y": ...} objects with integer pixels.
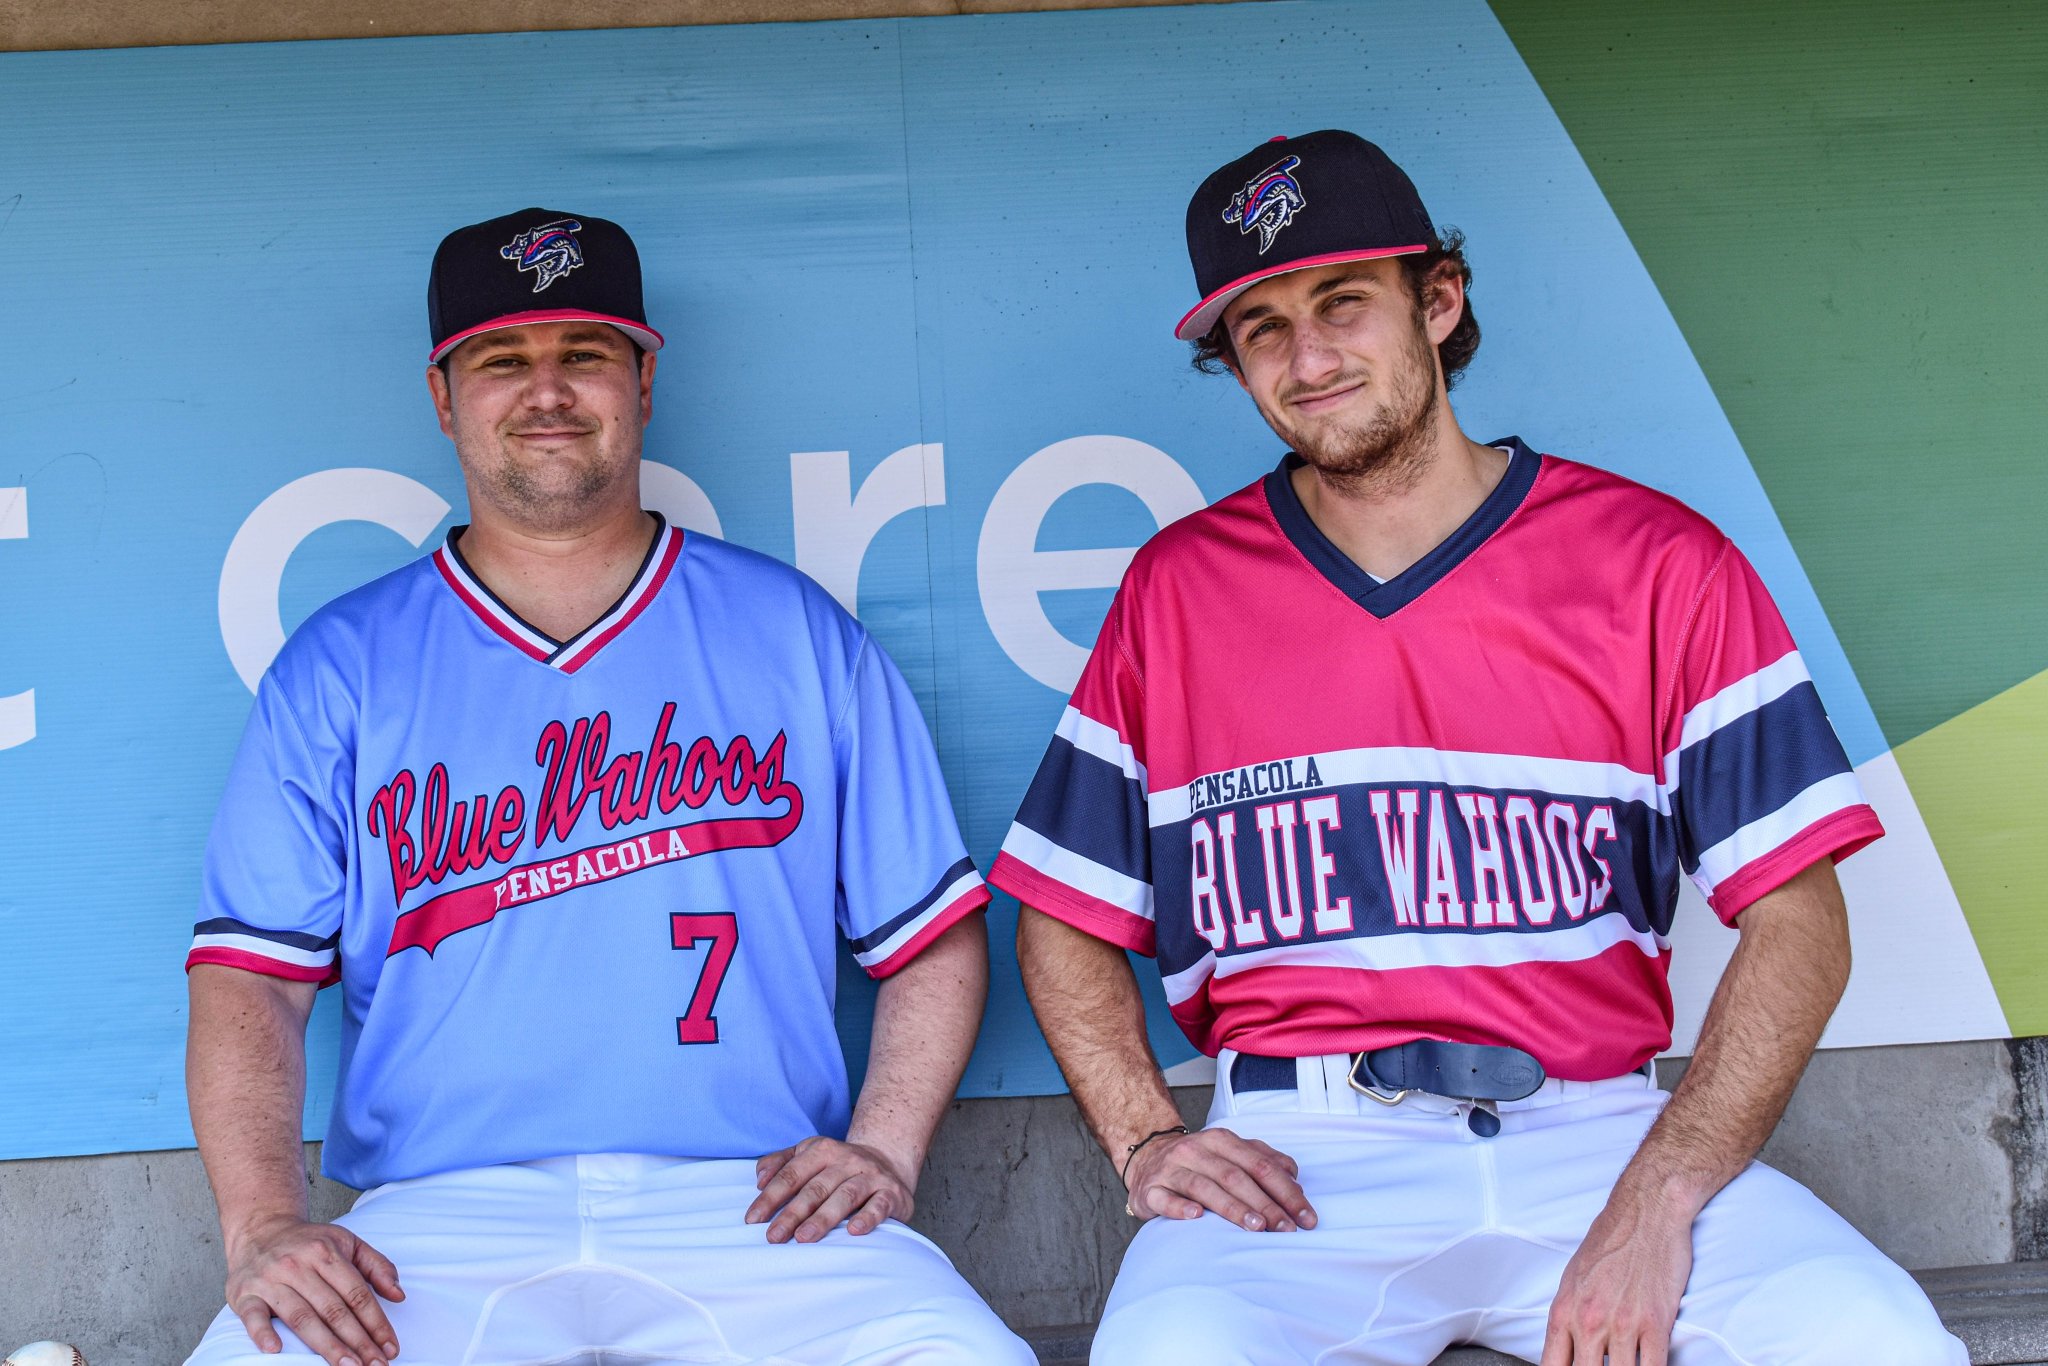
[{"x": 1366, "y": 1088}]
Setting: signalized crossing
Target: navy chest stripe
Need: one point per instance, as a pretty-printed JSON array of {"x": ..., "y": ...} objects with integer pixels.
[{"x": 1362, "y": 861}]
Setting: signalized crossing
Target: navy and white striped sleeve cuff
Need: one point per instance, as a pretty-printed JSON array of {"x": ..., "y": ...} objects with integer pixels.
[{"x": 291, "y": 954}]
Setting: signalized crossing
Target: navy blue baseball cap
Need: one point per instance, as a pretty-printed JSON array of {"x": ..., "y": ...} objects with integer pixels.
[
  {"x": 535, "y": 266},
  {"x": 1292, "y": 203}
]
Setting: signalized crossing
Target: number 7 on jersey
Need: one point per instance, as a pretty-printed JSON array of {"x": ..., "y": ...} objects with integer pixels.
[{"x": 722, "y": 930}]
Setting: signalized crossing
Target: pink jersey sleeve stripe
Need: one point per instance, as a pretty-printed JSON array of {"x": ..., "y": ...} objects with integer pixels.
[
  {"x": 1764, "y": 836},
  {"x": 1062, "y": 902},
  {"x": 258, "y": 963},
  {"x": 1836, "y": 836},
  {"x": 960, "y": 879},
  {"x": 1091, "y": 880},
  {"x": 930, "y": 928},
  {"x": 294, "y": 948}
]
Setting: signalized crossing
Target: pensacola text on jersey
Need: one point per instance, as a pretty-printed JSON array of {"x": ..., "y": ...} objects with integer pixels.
[{"x": 427, "y": 836}]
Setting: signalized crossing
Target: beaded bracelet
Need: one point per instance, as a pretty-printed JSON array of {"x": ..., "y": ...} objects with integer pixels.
[{"x": 1132, "y": 1152}]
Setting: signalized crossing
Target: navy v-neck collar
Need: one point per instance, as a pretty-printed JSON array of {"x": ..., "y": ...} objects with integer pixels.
[{"x": 1385, "y": 599}]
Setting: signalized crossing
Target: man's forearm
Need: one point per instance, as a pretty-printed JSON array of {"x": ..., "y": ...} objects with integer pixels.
[
  {"x": 245, "y": 1074},
  {"x": 245, "y": 1079},
  {"x": 1088, "y": 1006},
  {"x": 926, "y": 1019},
  {"x": 1781, "y": 986}
]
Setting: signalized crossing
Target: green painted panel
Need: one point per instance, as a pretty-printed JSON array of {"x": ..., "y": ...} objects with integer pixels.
[
  {"x": 1846, "y": 207},
  {"x": 1981, "y": 782}
]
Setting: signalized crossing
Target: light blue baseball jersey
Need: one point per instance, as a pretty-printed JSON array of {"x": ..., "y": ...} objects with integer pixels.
[{"x": 581, "y": 896}]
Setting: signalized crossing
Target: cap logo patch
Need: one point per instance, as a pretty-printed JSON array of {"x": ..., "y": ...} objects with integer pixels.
[
  {"x": 550, "y": 251},
  {"x": 1268, "y": 202}
]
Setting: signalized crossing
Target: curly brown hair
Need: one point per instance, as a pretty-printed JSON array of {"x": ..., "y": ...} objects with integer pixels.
[{"x": 1214, "y": 355}]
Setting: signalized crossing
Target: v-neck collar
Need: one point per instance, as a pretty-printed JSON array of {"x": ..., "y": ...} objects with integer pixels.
[
  {"x": 1385, "y": 599},
  {"x": 572, "y": 654}
]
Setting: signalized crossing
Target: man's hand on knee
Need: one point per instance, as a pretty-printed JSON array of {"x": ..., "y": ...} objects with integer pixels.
[
  {"x": 1618, "y": 1298},
  {"x": 812, "y": 1188},
  {"x": 1248, "y": 1182},
  {"x": 322, "y": 1281}
]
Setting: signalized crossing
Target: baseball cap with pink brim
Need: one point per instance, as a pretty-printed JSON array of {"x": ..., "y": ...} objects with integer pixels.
[
  {"x": 1292, "y": 204},
  {"x": 535, "y": 266}
]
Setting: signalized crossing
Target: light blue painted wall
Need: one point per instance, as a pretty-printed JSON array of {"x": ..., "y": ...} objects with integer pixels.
[{"x": 858, "y": 236}]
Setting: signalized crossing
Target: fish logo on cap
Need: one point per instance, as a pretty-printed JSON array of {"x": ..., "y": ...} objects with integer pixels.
[
  {"x": 1268, "y": 202},
  {"x": 550, "y": 251}
]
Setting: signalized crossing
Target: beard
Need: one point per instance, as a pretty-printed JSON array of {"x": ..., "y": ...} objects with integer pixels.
[
  {"x": 1388, "y": 447},
  {"x": 551, "y": 495}
]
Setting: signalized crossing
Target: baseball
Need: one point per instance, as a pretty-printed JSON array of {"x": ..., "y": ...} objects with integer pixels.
[{"x": 45, "y": 1354}]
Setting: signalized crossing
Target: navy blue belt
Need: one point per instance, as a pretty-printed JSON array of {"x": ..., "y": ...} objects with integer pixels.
[{"x": 1455, "y": 1071}]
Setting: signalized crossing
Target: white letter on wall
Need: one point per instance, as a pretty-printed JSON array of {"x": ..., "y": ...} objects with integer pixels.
[
  {"x": 17, "y": 711},
  {"x": 1012, "y": 571},
  {"x": 253, "y": 571},
  {"x": 676, "y": 496},
  {"x": 835, "y": 526}
]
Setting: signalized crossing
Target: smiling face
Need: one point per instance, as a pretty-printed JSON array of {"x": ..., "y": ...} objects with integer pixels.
[
  {"x": 547, "y": 421},
  {"x": 1342, "y": 362}
]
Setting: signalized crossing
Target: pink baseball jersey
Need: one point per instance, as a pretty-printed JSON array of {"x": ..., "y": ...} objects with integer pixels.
[{"x": 1346, "y": 814}]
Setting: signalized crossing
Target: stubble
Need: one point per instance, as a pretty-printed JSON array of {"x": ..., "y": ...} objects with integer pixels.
[
  {"x": 545, "y": 494},
  {"x": 1388, "y": 451}
]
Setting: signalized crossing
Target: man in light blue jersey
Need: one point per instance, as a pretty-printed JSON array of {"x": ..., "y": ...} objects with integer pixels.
[{"x": 573, "y": 811}]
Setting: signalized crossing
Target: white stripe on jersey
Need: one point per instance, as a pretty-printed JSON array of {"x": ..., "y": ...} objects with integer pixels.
[
  {"x": 1734, "y": 702},
  {"x": 960, "y": 887},
  {"x": 1084, "y": 875},
  {"x": 1427, "y": 949},
  {"x": 1093, "y": 737},
  {"x": 1765, "y": 834},
  {"x": 1397, "y": 765},
  {"x": 266, "y": 948},
  {"x": 1189, "y": 979}
]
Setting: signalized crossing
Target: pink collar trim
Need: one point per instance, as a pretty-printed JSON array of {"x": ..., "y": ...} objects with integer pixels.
[{"x": 565, "y": 655}]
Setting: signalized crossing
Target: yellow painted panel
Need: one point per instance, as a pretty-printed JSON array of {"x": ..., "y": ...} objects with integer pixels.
[{"x": 1981, "y": 781}]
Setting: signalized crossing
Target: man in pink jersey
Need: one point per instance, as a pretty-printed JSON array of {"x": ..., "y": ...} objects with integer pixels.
[{"x": 1394, "y": 759}]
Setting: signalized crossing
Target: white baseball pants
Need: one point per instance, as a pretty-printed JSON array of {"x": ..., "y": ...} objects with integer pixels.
[
  {"x": 1429, "y": 1235},
  {"x": 626, "y": 1260}
]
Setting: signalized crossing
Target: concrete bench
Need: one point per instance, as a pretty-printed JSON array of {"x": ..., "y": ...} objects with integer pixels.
[{"x": 2000, "y": 1313}]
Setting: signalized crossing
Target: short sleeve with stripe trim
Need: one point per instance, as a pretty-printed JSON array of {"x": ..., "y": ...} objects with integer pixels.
[
  {"x": 1080, "y": 847},
  {"x": 904, "y": 874},
  {"x": 1756, "y": 777},
  {"x": 276, "y": 863}
]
